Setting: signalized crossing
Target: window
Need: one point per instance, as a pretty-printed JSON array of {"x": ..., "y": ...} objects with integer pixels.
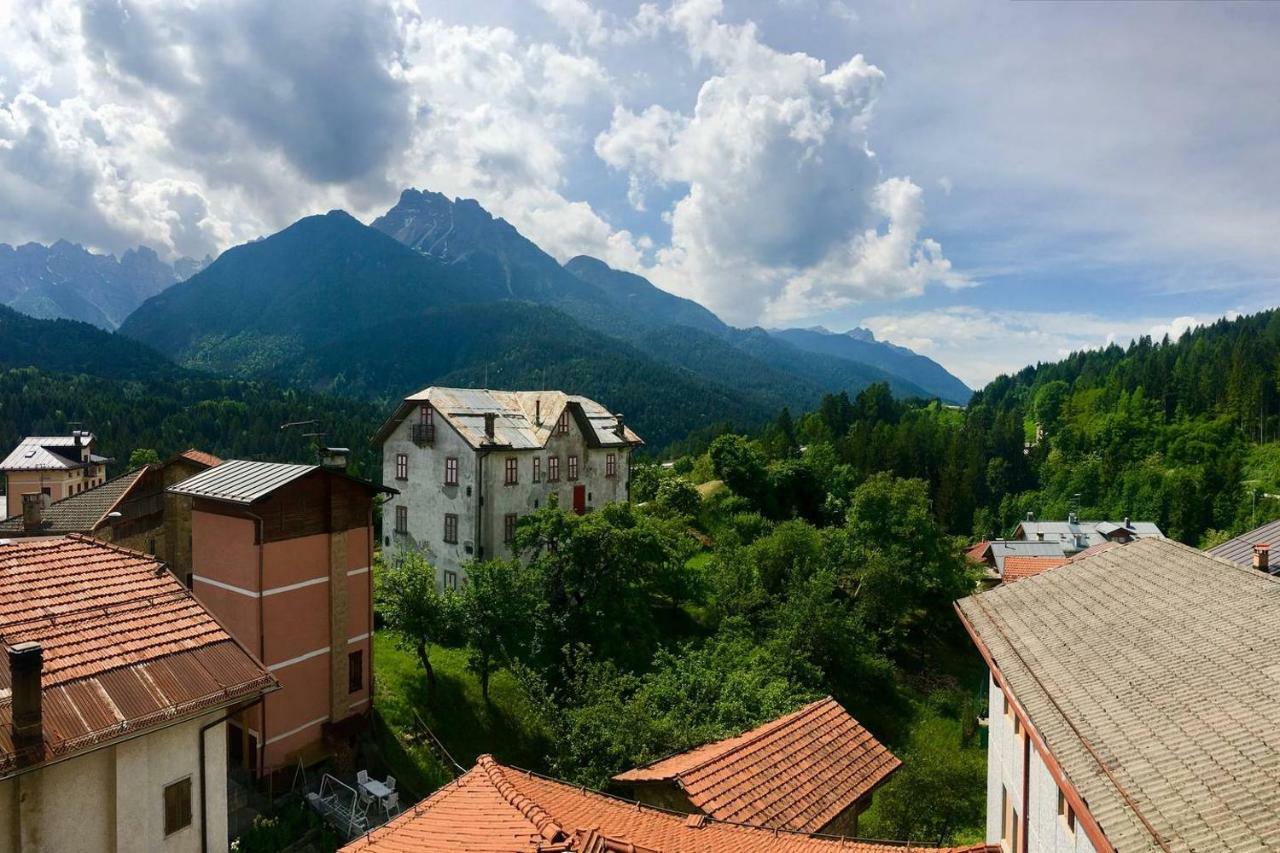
[
  {"x": 426, "y": 415},
  {"x": 451, "y": 471},
  {"x": 402, "y": 466},
  {"x": 1066, "y": 813},
  {"x": 509, "y": 528},
  {"x": 537, "y": 469},
  {"x": 355, "y": 671},
  {"x": 562, "y": 425},
  {"x": 611, "y": 465},
  {"x": 402, "y": 519},
  {"x": 450, "y": 579},
  {"x": 177, "y": 806},
  {"x": 553, "y": 469},
  {"x": 512, "y": 471},
  {"x": 451, "y": 528},
  {"x": 573, "y": 467},
  {"x": 1008, "y": 822}
]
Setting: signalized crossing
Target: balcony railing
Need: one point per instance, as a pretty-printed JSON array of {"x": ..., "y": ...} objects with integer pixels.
[{"x": 424, "y": 433}]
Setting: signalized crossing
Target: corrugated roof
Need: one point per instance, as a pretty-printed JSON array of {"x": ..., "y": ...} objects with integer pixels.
[
  {"x": 525, "y": 419},
  {"x": 1240, "y": 549},
  {"x": 1149, "y": 671},
  {"x": 798, "y": 772},
  {"x": 241, "y": 481},
  {"x": 47, "y": 453},
  {"x": 497, "y": 809},
  {"x": 80, "y": 513},
  {"x": 125, "y": 645},
  {"x": 1001, "y": 549}
]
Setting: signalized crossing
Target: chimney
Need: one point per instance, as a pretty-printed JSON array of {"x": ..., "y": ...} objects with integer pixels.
[
  {"x": 490, "y": 421},
  {"x": 1031, "y": 516},
  {"x": 335, "y": 458},
  {"x": 1072, "y": 518},
  {"x": 620, "y": 428},
  {"x": 32, "y": 512},
  {"x": 25, "y": 662},
  {"x": 1126, "y": 522},
  {"x": 1262, "y": 557},
  {"x": 537, "y": 412}
]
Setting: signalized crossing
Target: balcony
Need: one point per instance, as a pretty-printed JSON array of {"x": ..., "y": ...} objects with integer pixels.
[{"x": 423, "y": 433}]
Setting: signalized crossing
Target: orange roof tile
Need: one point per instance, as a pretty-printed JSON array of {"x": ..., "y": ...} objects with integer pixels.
[
  {"x": 125, "y": 645},
  {"x": 798, "y": 772},
  {"x": 497, "y": 809},
  {"x": 1018, "y": 567},
  {"x": 978, "y": 551},
  {"x": 199, "y": 456}
]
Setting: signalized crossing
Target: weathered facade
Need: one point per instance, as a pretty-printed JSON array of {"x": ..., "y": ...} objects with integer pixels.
[
  {"x": 282, "y": 554},
  {"x": 468, "y": 464}
]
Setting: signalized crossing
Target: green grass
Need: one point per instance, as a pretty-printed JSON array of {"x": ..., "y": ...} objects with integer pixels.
[{"x": 455, "y": 712}]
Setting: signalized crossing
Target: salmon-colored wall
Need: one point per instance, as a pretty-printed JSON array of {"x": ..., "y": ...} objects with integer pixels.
[
  {"x": 363, "y": 692},
  {"x": 279, "y": 753},
  {"x": 222, "y": 548},
  {"x": 303, "y": 697},
  {"x": 358, "y": 548},
  {"x": 357, "y": 604},
  {"x": 291, "y": 561},
  {"x": 239, "y": 613},
  {"x": 296, "y": 622}
]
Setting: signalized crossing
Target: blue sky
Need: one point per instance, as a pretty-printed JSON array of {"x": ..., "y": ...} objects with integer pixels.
[{"x": 988, "y": 183}]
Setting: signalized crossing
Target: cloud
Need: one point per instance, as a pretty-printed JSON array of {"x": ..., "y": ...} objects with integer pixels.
[
  {"x": 978, "y": 345},
  {"x": 785, "y": 213}
]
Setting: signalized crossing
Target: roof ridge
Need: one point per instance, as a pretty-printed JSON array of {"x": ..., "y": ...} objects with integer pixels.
[
  {"x": 541, "y": 819},
  {"x": 757, "y": 733}
]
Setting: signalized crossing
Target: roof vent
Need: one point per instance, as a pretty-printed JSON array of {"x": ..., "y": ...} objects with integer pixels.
[
  {"x": 695, "y": 821},
  {"x": 32, "y": 512},
  {"x": 490, "y": 423}
]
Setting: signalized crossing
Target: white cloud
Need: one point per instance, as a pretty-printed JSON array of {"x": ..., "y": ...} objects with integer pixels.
[{"x": 785, "y": 213}]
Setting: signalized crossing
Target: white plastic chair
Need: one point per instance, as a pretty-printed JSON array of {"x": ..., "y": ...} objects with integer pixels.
[
  {"x": 391, "y": 783},
  {"x": 392, "y": 803},
  {"x": 366, "y": 799}
]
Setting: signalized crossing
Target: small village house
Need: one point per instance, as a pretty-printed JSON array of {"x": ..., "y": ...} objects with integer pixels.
[
  {"x": 51, "y": 467},
  {"x": 1132, "y": 704},
  {"x": 468, "y": 463},
  {"x": 282, "y": 555},
  {"x": 813, "y": 771},
  {"x": 1252, "y": 549},
  {"x": 115, "y": 688}
]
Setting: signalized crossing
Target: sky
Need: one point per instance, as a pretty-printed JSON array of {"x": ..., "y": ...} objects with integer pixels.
[{"x": 988, "y": 183}]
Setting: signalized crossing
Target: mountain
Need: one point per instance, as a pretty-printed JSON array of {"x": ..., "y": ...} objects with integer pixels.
[
  {"x": 860, "y": 345},
  {"x": 675, "y": 331},
  {"x": 65, "y": 280},
  {"x": 71, "y": 346},
  {"x": 336, "y": 306}
]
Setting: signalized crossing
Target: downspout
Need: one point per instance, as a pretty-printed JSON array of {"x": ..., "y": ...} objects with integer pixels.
[
  {"x": 204, "y": 779},
  {"x": 480, "y": 502},
  {"x": 262, "y": 636},
  {"x": 369, "y": 583}
]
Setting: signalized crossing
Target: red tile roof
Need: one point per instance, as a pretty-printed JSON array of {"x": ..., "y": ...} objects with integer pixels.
[
  {"x": 978, "y": 551},
  {"x": 125, "y": 645},
  {"x": 200, "y": 457},
  {"x": 798, "y": 772},
  {"x": 497, "y": 809},
  {"x": 1018, "y": 567}
]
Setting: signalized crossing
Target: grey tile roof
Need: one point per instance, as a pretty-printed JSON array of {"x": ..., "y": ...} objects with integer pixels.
[
  {"x": 1001, "y": 548},
  {"x": 1240, "y": 549},
  {"x": 78, "y": 513},
  {"x": 1082, "y": 534},
  {"x": 241, "y": 481},
  {"x": 525, "y": 419},
  {"x": 1150, "y": 673}
]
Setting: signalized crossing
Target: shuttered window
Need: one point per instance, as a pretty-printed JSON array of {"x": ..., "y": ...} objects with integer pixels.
[
  {"x": 451, "y": 528},
  {"x": 573, "y": 467},
  {"x": 402, "y": 466},
  {"x": 402, "y": 519},
  {"x": 611, "y": 465},
  {"x": 355, "y": 671},
  {"x": 537, "y": 469},
  {"x": 509, "y": 528},
  {"x": 512, "y": 471},
  {"x": 553, "y": 469},
  {"x": 451, "y": 471},
  {"x": 177, "y": 806}
]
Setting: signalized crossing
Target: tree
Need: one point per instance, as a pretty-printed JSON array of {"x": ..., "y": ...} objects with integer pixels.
[
  {"x": 415, "y": 612},
  {"x": 142, "y": 456},
  {"x": 677, "y": 496},
  {"x": 740, "y": 466},
  {"x": 495, "y": 608}
]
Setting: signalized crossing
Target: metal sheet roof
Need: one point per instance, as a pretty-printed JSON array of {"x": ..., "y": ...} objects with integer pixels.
[
  {"x": 1240, "y": 549},
  {"x": 40, "y": 453},
  {"x": 241, "y": 481}
]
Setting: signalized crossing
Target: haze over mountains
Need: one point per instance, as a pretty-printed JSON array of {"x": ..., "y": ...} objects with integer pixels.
[{"x": 439, "y": 291}]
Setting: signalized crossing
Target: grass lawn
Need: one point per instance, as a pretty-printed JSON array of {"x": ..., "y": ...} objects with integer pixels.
[{"x": 456, "y": 713}]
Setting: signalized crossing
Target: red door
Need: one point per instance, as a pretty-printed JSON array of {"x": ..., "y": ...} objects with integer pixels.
[{"x": 580, "y": 499}]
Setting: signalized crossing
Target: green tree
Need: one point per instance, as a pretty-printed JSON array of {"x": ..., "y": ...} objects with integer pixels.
[
  {"x": 677, "y": 496},
  {"x": 415, "y": 611},
  {"x": 143, "y": 456},
  {"x": 494, "y": 609}
]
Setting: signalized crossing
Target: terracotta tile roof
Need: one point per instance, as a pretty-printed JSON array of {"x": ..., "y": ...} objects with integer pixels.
[
  {"x": 80, "y": 513},
  {"x": 125, "y": 645},
  {"x": 798, "y": 772},
  {"x": 200, "y": 457},
  {"x": 1018, "y": 567},
  {"x": 1149, "y": 673},
  {"x": 978, "y": 551},
  {"x": 497, "y": 809}
]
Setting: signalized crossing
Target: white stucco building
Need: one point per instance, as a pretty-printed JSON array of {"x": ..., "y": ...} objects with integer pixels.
[
  {"x": 468, "y": 463},
  {"x": 115, "y": 687}
]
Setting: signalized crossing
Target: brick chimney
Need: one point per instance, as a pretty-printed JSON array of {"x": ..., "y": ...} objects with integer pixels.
[
  {"x": 26, "y": 660},
  {"x": 1262, "y": 557},
  {"x": 32, "y": 512},
  {"x": 490, "y": 422},
  {"x": 537, "y": 412}
]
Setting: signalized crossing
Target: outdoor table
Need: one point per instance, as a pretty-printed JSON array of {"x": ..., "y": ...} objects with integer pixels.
[{"x": 376, "y": 789}]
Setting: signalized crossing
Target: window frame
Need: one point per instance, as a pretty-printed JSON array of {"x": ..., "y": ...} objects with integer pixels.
[
  {"x": 355, "y": 671},
  {"x": 1009, "y": 822},
  {"x": 402, "y": 519},
  {"x": 402, "y": 466},
  {"x": 509, "y": 522},
  {"x": 1066, "y": 813},
  {"x": 537, "y": 469},
  {"x": 553, "y": 469},
  {"x": 426, "y": 415},
  {"x": 451, "y": 470},
  {"x": 451, "y": 528},
  {"x": 562, "y": 423},
  {"x": 611, "y": 465},
  {"x": 511, "y": 471},
  {"x": 180, "y": 806},
  {"x": 571, "y": 466},
  {"x": 449, "y": 578}
]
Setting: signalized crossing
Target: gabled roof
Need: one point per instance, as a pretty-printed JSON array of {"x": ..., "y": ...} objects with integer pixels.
[
  {"x": 244, "y": 482},
  {"x": 497, "y": 809},
  {"x": 525, "y": 419},
  {"x": 1001, "y": 549},
  {"x": 126, "y": 647},
  {"x": 1082, "y": 534},
  {"x": 1149, "y": 674},
  {"x": 49, "y": 453},
  {"x": 208, "y": 460},
  {"x": 1017, "y": 567},
  {"x": 798, "y": 772},
  {"x": 80, "y": 513},
  {"x": 1240, "y": 549}
]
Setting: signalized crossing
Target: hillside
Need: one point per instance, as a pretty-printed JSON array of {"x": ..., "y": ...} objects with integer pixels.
[
  {"x": 69, "y": 346},
  {"x": 67, "y": 281}
]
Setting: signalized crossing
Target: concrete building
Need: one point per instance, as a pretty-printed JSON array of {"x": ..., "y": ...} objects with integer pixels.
[
  {"x": 115, "y": 687},
  {"x": 1132, "y": 704},
  {"x": 282, "y": 555},
  {"x": 469, "y": 463},
  {"x": 55, "y": 467},
  {"x": 132, "y": 510}
]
